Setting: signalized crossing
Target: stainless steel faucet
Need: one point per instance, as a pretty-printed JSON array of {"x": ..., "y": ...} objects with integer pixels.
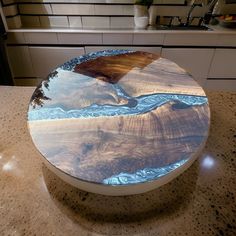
[
  {"x": 190, "y": 12},
  {"x": 210, "y": 5}
]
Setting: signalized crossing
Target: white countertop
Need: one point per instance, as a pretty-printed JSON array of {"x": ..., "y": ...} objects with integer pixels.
[{"x": 215, "y": 30}]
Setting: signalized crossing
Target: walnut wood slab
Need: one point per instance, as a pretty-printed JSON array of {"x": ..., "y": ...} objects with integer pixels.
[{"x": 119, "y": 122}]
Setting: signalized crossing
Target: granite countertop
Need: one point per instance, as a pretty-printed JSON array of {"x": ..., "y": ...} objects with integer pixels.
[{"x": 201, "y": 201}]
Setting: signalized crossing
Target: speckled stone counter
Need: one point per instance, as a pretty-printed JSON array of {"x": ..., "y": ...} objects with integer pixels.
[{"x": 34, "y": 201}]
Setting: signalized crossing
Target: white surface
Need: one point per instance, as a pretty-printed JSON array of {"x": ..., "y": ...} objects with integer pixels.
[
  {"x": 223, "y": 64},
  {"x": 121, "y": 22},
  {"x": 149, "y": 39},
  {"x": 41, "y": 38},
  {"x": 197, "y": 39},
  {"x": 75, "y": 21},
  {"x": 109, "y": 10},
  {"x": 196, "y": 61},
  {"x": 217, "y": 30},
  {"x": 141, "y": 22},
  {"x": 144, "y": 49},
  {"x": 54, "y": 21},
  {"x": 118, "y": 39},
  {"x": 80, "y": 38},
  {"x": 45, "y": 59},
  {"x": 95, "y": 22},
  {"x": 131, "y": 37},
  {"x": 73, "y": 9},
  {"x": 227, "y": 40}
]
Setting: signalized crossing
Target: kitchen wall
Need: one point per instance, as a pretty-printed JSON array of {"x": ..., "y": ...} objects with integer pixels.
[{"x": 89, "y": 13}]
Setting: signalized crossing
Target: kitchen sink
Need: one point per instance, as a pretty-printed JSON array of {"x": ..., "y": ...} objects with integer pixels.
[{"x": 183, "y": 27}]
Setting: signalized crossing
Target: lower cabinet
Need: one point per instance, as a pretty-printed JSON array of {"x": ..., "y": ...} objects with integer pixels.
[
  {"x": 45, "y": 59},
  {"x": 20, "y": 61},
  {"x": 157, "y": 50},
  {"x": 195, "y": 61},
  {"x": 212, "y": 68},
  {"x": 223, "y": 64},
  {"x": 27, "y": 81}
]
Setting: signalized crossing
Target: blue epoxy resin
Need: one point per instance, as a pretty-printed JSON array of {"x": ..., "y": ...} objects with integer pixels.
[
  {"x": 143, "y": 104},
  {"x": 142, "y": 176},
  {"x": 119, "y": 118}
]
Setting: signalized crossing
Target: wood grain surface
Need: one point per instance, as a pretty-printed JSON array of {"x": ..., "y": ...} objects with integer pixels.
[{"x": 116, "y": 114}]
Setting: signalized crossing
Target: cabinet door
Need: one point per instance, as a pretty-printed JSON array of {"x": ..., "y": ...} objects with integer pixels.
[
  {"x": 89, "y": 49},
  {"x": 20, "y": 62},
  {"x": 223, "y": 64},
  {"x": 195, "y": 61},
  {"x": 45, "y": 59}
]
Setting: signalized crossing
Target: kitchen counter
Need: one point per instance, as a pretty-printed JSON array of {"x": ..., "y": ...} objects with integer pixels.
[
  {"x": 214, "y": 29},
  {"x": 201, "y": 201},
  {"x": 218, "y": 37}
]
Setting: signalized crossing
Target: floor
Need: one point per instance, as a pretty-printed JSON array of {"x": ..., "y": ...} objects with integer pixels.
[{"x": 201, "y": 201}]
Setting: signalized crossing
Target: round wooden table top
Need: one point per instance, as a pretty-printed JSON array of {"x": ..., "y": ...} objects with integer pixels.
[{"x": 119, "y": 122}]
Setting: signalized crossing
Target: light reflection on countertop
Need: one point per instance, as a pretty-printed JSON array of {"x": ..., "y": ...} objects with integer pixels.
[{"x": 208, "y": 162}]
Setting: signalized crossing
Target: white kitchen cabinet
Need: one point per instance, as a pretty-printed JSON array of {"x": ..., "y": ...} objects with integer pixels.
[
  {"x": 40, "y": 38},
  {"x": 191, "y": 39},
  {"x": 20, "y": 62},
  {"x": 223, "y": 64},
  {"x": 227, "y": 40},
  {"x": 221, "y": 84},
  {"x": 148, "y": 39},
  {"x": 117, "y": 39},
  {"x": 144, "y": 49},
  {"x": 45, "y": 59},
  {"x": 195, "y": 61},
  {"x": 80, "y": 38}
]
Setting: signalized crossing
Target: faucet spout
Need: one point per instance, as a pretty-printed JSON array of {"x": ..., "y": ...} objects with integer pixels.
[
  {"x": 190, "y": 12},
  {"x": 211, "y": 4}
]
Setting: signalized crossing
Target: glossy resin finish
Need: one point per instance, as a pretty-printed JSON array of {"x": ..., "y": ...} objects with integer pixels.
[{"x": 118, "y": 118}]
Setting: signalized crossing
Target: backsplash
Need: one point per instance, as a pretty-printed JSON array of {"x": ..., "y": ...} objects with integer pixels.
[{"x": 88, "y": 13}]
